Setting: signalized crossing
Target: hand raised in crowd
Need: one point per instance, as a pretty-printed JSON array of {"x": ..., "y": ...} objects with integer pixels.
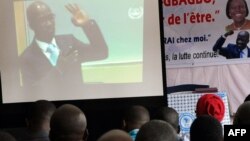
[{"x": 79, "y": 16}]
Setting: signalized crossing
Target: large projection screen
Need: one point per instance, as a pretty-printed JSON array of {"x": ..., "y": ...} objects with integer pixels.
[{"x": 110, "y": 49}]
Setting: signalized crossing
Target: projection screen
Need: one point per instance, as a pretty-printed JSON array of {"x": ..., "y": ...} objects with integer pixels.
[{"x": 100, "y": 49}]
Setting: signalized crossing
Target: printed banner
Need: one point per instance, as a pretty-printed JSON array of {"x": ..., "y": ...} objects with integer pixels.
[{"x": 192, "y": 28}]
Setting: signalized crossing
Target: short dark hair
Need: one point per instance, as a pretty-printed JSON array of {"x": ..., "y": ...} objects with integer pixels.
[
  {"x": 137, "y": 114},
  {"x": 169, "y": 115},
  {"x": 229, "y": 4},
  {"x": 242, "y": 115},
  {"x": 39, "y": 111},
  {"x": 156, "y": 130},
  {"x": 68, "y": 123},
  {"x": 206, "y": 128}
]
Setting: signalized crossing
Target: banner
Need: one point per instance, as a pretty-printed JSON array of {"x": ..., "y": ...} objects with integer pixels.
[{"x": 192, "y": 27}]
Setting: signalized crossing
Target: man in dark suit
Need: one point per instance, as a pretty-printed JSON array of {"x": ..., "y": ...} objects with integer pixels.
[
  {"x": 238, "y": 50},
  {"x": 56, "y": 59}
]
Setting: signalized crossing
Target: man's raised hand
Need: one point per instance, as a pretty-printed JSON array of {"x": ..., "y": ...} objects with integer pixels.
[{"x": 79, "y": 17}]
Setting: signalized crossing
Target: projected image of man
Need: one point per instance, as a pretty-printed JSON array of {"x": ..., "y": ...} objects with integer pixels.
[
  {"x": 231, "y": 51},
  {"x": 58, "y": 58}
]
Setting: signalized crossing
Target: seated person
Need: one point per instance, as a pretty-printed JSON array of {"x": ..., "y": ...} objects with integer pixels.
[
  {"x": 210, "y": 104},
  {"x": 206, "y": 128},
  {"x": 242, "y": 115},
  {"x": 156, "y": 130},
  {"x": 68, "y": 123},
  {"x": 171, "y": 116},
  {"x": 38, "y": 122},
  {"x": 134, "y": 118}
]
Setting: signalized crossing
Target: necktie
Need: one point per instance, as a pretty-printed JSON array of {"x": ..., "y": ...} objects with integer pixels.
[
  {"x": 241, "y": 54},
  {"x": 53, "y": 54}
]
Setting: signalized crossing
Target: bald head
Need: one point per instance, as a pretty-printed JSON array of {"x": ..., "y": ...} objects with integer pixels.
[
  {"x": 242, "y": 39},
  {"x": 115, "y": 135},
  {"x": 135, "y": 117},
  {"x": 242, "y": 115},
  {"x": 37, "y": 11},
  {"x": 67, "y": 123},
  {"x": 41, "y": 21}
]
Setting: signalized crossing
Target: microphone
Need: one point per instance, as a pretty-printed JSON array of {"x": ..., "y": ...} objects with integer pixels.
[{"x": 230, "y": 32}]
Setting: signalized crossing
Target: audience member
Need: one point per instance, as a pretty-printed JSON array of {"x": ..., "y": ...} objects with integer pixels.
[
  {"x": 115, "y": 135},
  {"x": 5, "y": 136},
  {"x": 68, "y": 123},
  {"x": 169, "y": 115},
  {"x": 206, "y": 128},
  {"x": 156, "y": 130},
  {"x": 210, "y": 104},
  {"x": 39, "y": 114},
  {"x": 134, "y": 118},
  {"x": 242, "y": 115},
  {"x": 38, "y": 122}
]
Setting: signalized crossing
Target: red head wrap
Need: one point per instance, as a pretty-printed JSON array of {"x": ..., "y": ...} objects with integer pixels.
[{"x": 210, "y": 104}]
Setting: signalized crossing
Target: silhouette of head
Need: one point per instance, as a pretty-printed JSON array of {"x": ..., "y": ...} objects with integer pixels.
[
  {"x": 156, "y": 130},
  {"x": 39, "y": 114},
  {"x": 206, "y": 128},
  {"x": 135, "y": 117},
  {"x": 242, "y": 115},
  {"x": 68, "y": 123},
  {"x": 169, "y": 115}
]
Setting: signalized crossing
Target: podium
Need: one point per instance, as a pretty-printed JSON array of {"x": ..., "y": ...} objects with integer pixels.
[{"x": 185, "y": 104}]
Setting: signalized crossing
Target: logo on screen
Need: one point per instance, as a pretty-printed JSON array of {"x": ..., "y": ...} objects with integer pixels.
[
  {"x": 135, "y": 12},
  {"x": 186, "y": 119}
]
